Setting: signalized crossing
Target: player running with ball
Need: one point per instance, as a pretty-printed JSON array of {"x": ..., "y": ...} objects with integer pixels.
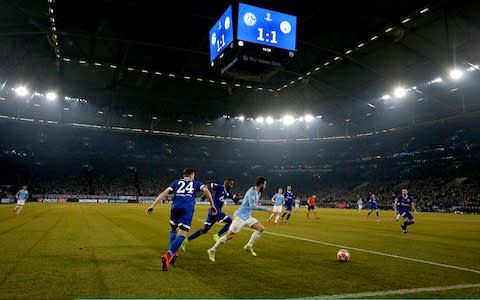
[
  {"x": 243, "y": 217},
  {"x": 181, "y": 214}
]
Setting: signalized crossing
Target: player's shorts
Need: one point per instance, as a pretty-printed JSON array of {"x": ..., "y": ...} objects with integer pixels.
[
  {"x": 181, "y": 217},
  {"x": 311, "y": 207},
  {"x": 20, "y": 202},
  {"x": 373, "y": 207},
  {"x": 297, "y": 205},
  {"x": 406, "y": 214},
  {"x": 219, "y": 217},
  {"x": 360, "y": 206},
  {"x": 288, "y": 208},
  {"x": 238, "y": 223},
  {"x": 277, "y": 208}
]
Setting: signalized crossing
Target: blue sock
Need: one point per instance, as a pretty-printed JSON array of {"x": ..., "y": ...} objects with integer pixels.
[
  {"x": 225, "y": 227},
  {"x": 377, "y": 214},
  {"x": 176, "y": 244},
  {"x": 172, "y": 237},
  {"x": 195, "y": 235}
]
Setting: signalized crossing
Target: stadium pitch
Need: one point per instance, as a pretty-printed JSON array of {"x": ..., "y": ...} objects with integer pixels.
[{"x": 66, "y": 251}]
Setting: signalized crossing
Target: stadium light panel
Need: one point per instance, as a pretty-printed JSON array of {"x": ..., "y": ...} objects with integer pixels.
[
  {"x": 456, "y": 74},
  {"x": 386, "y": 97},
  {"x": 21, "y": 91},
  {"x": 288, "y": 120},
  {"x": 400, "y": 92},
  {"x": 241, "y": 118},
  {"x": 269, "y": 120},
  {"x": 51, "y": 96},
  {"x": 260, "y": 120},
  {"x": 308, "y": 118}
]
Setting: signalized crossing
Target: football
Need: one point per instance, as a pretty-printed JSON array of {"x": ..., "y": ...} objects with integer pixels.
[{"x": 343, "y": 255}]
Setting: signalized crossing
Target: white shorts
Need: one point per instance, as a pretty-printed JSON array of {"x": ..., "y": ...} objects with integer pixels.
[
  {"x": 297, "y": 205},
  {"x": 360, "y": 206},
  {"x": 238, "y": 223},
  {"x": 277, "y": 208},
  {"x": 20, "y": 202}
]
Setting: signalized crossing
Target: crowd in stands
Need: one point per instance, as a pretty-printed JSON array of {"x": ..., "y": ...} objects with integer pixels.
[{"x": 440, "y": 169}]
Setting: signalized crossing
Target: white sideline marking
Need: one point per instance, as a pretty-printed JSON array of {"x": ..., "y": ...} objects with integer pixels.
[
  {"x": 377, "y": 252},
  {"x": 373, "y": 252},
  {"x": 401, "y": 291}
]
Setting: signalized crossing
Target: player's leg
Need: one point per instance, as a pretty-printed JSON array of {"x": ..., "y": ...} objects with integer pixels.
[
  {"x": 206, "y": 227},
  {"x": 277, "y": 216},
  {"x": 259, "y": 228},
  {"x": 288, "y": 213},
  {"x": 225, "y": 219},
  {"x": 182, "y": 217},
  {"x": 408, "y": 220},
  {"x": 378, "y": 216},
  {"x": 235, "y": 227}
]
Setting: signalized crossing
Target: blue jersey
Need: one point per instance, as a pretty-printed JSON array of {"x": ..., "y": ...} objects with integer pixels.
[
  {"x": 288, "y": 204},
  {"x": 184, "y": 191},
  {"x": 289, "y": 196},
  {"x": 220, "y": 195},
  {"x": 404, "y": 203},
  {"x": 278, "y": 199},
  {"x": 22, "y": 194},
  {"x": 249, "y": 204},
  {"x": 373, "y": 202}
]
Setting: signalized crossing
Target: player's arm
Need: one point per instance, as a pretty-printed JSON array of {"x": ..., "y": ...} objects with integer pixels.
[
  {"x": 208, "y": 195},
  {"x": 254, "y": 206},
  {"x": 16, "y": 196},
  {"x": 414, "y": 208},
  {"x": 395, "y": 206},
  {"x": 158, "y": 199}
]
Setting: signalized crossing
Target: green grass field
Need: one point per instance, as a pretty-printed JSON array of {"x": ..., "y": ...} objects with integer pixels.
[{"x": 65, "y": 251}]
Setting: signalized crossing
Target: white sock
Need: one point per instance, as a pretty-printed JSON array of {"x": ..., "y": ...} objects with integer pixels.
[
  {"x": 271, "y": 216},
  {"x": 276, "y": 218},
  {"x": 220, "y": 241},
  {"x": 255, "y": 236}
]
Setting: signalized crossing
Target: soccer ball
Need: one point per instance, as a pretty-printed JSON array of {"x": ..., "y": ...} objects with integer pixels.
[{"x": 343, "y": 255}]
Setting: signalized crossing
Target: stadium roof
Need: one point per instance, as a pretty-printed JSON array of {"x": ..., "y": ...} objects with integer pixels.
[{"x": 349, "y": 55}]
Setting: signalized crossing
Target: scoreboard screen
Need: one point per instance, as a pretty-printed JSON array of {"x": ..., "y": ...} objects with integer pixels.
[
  {"x": 221, "y": 34},
  {"x": 266, "y": 27}
]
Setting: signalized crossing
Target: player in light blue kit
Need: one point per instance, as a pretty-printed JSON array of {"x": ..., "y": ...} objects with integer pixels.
[
  {"x": 181, "y": 214},
  {"x": 222, "y": 192},
  {"x": 22, "y": 197},
  {"x": 373, "y": 206},
  {"x": 277, "y": 200},
  {"x": 243, "y": 217},
  {"x": 403, "y": 204}
]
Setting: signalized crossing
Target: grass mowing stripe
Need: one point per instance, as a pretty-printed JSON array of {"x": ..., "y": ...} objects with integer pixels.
[
  {"x": 400, "y": 292},
  {"x": 376, "y": 252},
  {"x": 373, "y": 252}
]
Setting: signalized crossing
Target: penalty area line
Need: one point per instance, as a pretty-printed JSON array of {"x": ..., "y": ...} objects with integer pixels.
[{"x": 400, "y": 291}]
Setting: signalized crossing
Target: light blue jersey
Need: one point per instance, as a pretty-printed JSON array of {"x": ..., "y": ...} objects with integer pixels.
[
  {"x": 22, "y": 194},
  {"x": 278, "y": 199},
  {"x": 249, "y": 204}
]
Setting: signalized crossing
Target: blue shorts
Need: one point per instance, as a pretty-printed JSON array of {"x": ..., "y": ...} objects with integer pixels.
[
  {"x": 288, "y": 208},
  {"x": 406, "y": 214},
  {"x": 181, "y": 217},
  {"x": 220, "y": 216},
  {"x": 373, "y": 207}
]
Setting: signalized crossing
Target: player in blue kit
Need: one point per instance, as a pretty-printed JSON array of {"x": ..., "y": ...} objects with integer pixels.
[
  {"x": 277, "y": 200},
  {"x": 243, "y": 217},
  {"x": 181, "y": 213},
  {"x": 222, "y": 192},
  {"x": 403, "y": 204},
  {"x": 289, "y": 202},
  {"x": 21, "y": 197},
  {"x": 373, "y": 206}
]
